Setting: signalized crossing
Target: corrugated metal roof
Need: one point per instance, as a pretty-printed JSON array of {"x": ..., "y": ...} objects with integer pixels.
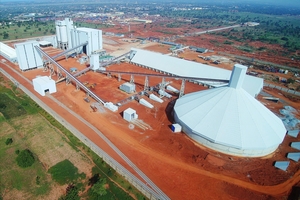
[
  {"x": 8, "y": 51},
  {"x": 43, "y": 80},
  {"x": 294, "y": 156},
  {"x": 181, "y": 67},
  {"x": 293, "y": 133},
  {"x": 283, "y": 165}
]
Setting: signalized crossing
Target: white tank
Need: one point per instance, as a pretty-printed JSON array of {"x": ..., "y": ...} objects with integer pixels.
[
  {"x": 58, "y": 34},
  {"x": 63, "y": 34}
]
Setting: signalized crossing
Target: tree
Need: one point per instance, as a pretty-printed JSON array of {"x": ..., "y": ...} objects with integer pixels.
[
  {"x": 5, "y": 35},
  {"x": 8, "y": 141},
  {"x": 99, "y": 187},
  {"x": 25, "y": 158},
  {"x": 72, "y": 193}
]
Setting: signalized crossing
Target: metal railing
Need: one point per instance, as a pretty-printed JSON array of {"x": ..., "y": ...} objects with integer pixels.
[{"x": 71, "y": 77}]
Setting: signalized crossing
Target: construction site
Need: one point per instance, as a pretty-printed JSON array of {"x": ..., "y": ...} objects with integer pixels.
[{"x": 183, "y": 129}]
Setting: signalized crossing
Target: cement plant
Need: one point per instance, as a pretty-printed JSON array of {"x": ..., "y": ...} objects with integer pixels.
[{"x": 169, "y": 117}]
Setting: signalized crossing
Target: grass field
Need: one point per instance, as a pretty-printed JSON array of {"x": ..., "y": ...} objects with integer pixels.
[
  {"x": 26, "y": 30},
  {"x": 55, "y": 149}
]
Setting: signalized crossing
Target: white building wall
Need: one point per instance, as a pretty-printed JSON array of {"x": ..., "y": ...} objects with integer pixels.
[
  {"x": 222, "y": 148},
  {"x": 43, "y": 83},
  {"x": 8, "y": 52},
  {"x": 28, "y": 56}
]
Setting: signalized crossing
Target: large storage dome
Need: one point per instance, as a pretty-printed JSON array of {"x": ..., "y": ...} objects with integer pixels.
[{"x": 230, "y": 120}]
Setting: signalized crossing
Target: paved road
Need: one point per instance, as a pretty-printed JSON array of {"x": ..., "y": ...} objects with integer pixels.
[
  {"x": 216, "y": 29},
  {"x": 153, "y": 189}
]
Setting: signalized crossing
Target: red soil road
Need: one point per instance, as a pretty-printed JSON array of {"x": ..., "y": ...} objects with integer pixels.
[
  {"x": 172, "y": 161},
  {"x": 79, "y": 125}
]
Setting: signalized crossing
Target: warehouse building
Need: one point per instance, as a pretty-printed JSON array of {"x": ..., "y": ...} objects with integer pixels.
[
  {"x": 229, "y": 120},
  {"x": 68, "y": 37},
  {"x": 8, "y": 52},
  {"x": 92, "y": 36},
  {"x": 174, "y": 66},
  {"x": 28, "y": 56}
]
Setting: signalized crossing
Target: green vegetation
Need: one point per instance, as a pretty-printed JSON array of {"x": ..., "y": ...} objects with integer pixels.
[
  {"x": 38, "y": 131},
  {"x": 273, "y": 29},
  {"x": 26, "y": 30},
  {"x": 72, "y": 193},
  {"x": 10, "y": 108},
  {"x": 228, "y": 42},
  {"x": 175, "y": 24},
  {"x": 25, "y": 158},
  {"x": 92, "y": 25},
  {"x": 99, "y": 188},
  {"x": 9, "y": 141},
  {"x": 65, "y": 172}
]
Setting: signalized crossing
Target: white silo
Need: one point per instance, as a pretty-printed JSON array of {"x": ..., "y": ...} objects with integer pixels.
[
  {"x": 58, "y": 36},
  {"x": 63, "y": 36},
  {"x": 229, "y": 120}
]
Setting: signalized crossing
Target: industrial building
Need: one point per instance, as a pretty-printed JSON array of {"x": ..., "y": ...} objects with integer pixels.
[
  {"x": 8, "y": 52},
  {"x": 92, "y": 36},
  {"x": 174, "y": 66},
  {"x": 68, "y": 37},
  {"x": 28, "y": 56},
  {"x": 229, "y": 120},
  {"x": 44, "y": 84}
]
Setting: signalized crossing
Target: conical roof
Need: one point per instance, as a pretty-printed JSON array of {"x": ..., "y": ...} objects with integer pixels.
[{"x": 231, "y": 117}]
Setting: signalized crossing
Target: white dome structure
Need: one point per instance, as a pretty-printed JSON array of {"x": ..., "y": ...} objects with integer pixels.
[{"x": 230, "y": 120}]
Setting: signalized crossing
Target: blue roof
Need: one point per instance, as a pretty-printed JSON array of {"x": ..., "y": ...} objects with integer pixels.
[
  {"x": 294, "y": 156},
  {"x": 283, "y": 165},
  {"x": 295, "y": 145},
  {"x": 293, "y": 133}
]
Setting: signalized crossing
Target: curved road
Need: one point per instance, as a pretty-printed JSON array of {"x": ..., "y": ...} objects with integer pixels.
[{"x": 275, "y": 190}]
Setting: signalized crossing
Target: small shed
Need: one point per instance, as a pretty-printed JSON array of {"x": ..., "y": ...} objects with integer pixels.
[
  {"x": 73, "y": 69},
  {"x": 176, "y": 128},
  {"x": 283, "y": 165},
  {"x": 295, "y": 156},
  {"x": 128, "y": 87},
  {"x": 129, "y": 114},
  {"x": 44, "y": 84},
  {"x": 293, "y": 133}
]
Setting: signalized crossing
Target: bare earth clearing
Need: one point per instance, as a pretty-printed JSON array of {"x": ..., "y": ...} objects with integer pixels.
[{"x": 176, "y": 164}]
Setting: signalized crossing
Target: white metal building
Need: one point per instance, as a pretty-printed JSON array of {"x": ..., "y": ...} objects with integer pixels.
[
  {"x": 92, "y": 36},
  {"x": 180, "y": 67},
  {"x": 28, "y": 56},
  {"x": 8, "y": 52},
  {"x": 44, "y": 84},
  {"x": 63, "y": 33},
  {"x": 129, "y": 114},
  {"x": 68, "y": 36},
  {"x": 229, "y": 120}
]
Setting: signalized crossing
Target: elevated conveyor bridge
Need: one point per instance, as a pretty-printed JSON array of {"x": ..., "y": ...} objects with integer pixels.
[{"x": 70, "y": 77}]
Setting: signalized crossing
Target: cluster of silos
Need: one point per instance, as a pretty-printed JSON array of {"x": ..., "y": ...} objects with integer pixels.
[
  {"x": 68, "y": 37},
  {"x": 63, "y": 33}
]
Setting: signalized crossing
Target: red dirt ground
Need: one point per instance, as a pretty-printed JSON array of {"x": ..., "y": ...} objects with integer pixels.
[{"x": 181, "y": 168}]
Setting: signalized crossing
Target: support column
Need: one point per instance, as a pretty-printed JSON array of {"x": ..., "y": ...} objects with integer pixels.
[
  {"x": 119, "y": 77},
  {"x": 181, "y": 93},
  {"x": 146, "y": 85},
  {"x": 52, "y": 71},
  {"x": 131, "y": 79},
  {"x": 162, "y": 87}
]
